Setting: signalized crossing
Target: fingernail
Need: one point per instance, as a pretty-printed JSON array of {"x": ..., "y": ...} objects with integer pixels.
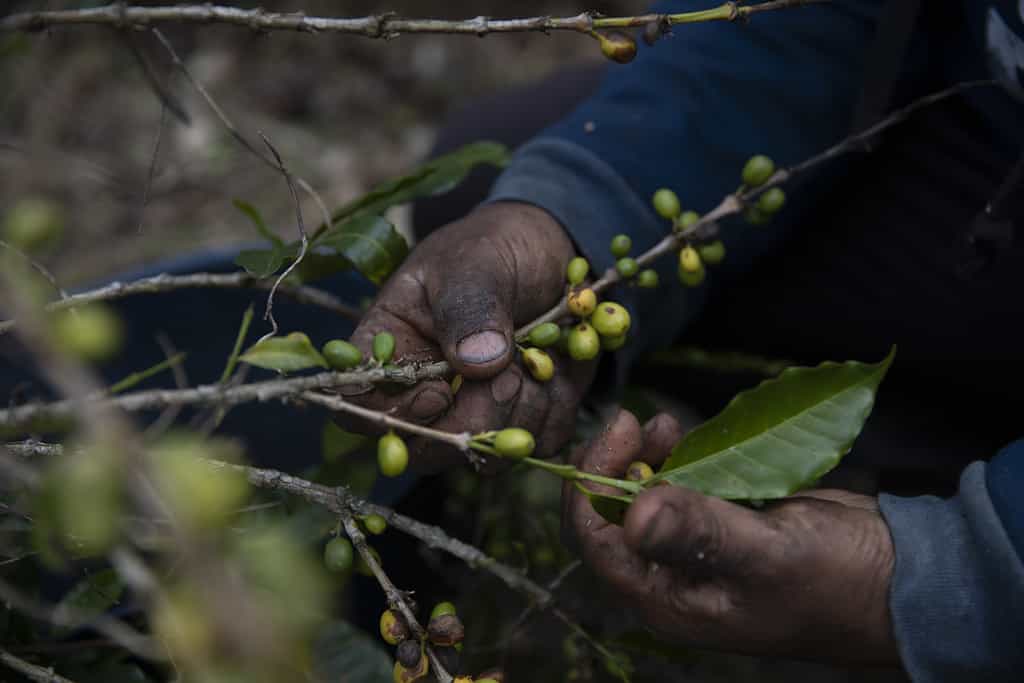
[
  {"x": 482, "y": 347},
  {"x": 428, "y": 405},
  {"x": 505, "y": 387}
]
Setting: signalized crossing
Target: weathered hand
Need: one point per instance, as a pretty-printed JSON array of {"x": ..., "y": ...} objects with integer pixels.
[
  {"x": 458, "y": 297},
  {"x": 807, "y": 576}
]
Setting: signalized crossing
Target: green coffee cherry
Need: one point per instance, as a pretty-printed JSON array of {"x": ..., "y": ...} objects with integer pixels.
[
  {"x": 772, "y": 200},
  {"x": 338, "y": 555},
  {"x": 383, "y": 346},
  {"x": 620, "y": 246},
  {"x": 712, "y": 253},
  {"x": 576, "y": 271},
  {"x": 92, "y": 332},
  {"x": 613, "y": 343},
  {"x": 375, "y": 524},
  {"x": 442, "y": 608},
  {"x": 392, "y": 455},
  {"x": 617, "y": 46},
  {"x": 393, "y": 628},
  {"x": 584, "y": 342},
  {"x": 342, "y": 355},
  {"x": 689, "y": 260},
  {"x": 610, "y": 319},
  {"x": 648, "y": 279},
  {"x": 544, "y": 335},
  {"x": 688, "y": 219},
  {"x": 666, "y": 203},
  {"x": 757, "y": 170},
  {"x": 755, "y": 216},
  {"x": 33, "y": 223},
  {"x": 639, "y": 471},
  {"x": 692, "y": 278},
  {"x": 581, "y": 303},
  {"x": 539, "y": 364},
  {"x": 627, "y": 266},
  {"x": 514, "y": 442}
]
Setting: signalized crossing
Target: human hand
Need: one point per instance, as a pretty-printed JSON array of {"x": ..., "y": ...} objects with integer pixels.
[
  {"x": 807, "y": 576},
  {"x": 458, "y": 297}
]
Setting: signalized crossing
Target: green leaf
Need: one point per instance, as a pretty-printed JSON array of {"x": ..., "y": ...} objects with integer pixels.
[
  {"x": 92, "y": 595},
  {"x": 780, "y": 436},
  {"x": 257, "y": 220},
  {"x": 261, "y": 262},
  {"x": 612, "y": 508},
  {"x": 342, "y": 652},
  {"x": 337, "y": 443},
  {"x": 285, "y": 354},
  {"x": 371, "y": 243}
]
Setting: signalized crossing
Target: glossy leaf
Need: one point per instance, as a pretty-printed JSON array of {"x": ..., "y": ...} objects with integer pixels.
[
  {"x": 285, "y": 354},
  {"x": 370, "y": 243},
  {"x": 611, "y": 507},
  {"x": 780, "y": 436},
  {"x": 257, "y": 220},
  {"x": 260, "y": 262}
]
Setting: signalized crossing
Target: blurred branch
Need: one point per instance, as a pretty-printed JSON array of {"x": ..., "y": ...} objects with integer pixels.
[
  {"x": 374, "y": 26},
  {"x": 32, "y": 671}
]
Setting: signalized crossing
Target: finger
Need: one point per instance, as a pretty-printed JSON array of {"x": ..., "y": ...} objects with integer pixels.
[
  {"x": 562, "y": 396},
  {"x": 700, "y": 535},
  {"x": 661, "y": 433},
  {"x": 619, "y": 444},
  {"x": 847, "y": 498}
]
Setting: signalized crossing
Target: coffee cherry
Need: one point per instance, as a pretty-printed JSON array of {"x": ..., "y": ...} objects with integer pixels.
[
  {"x": 627, "y": 266},
  {"x": 610, "y": 319},
  {"x": 666, "y": 203},
  {"x": 92, "y": 332},
  {"x": 692, "y": 278},
  {"x": 613, "y": 343},
  {"x": 446, "y": 630},
  {"x": 383, "y": 346},
  {"x": 539, "y": 364},
  {"x": 463, "y": 679},
  {"x": 576, "y": 271},
  {"x": 33, "y": 223},
  {"x": 514, "y": 442},
  {"x": 755, "y": 216},
  {"x": 581, "y": 303},
  {"x": 403, "y": 674},
  {"x": 689, "y": 259},
  {"x": 648, "y": 279},
  {"x": 338, "y": 555},
  {"x": 375, "y": 524},
  {"x": 409, "y": 653},
  {"x": 393, "y": 628},
  {"x": 620, "y": 246},
  {"x": 757, "y": 170},
  {"x": 617, "y": 46},
  {"x": 584, "y": 342},
  {"x": 772, "y": 200},
  {"x": 712, "y": 252},
  {"x": 544, "y": 335},
  {"x": 342, "y": 355},
  {"x": 441, "y": 609},
  {"x": 392, "y": 455},
  {"x": 688, "y": 219},
  {"x": 639, "y": 471}
]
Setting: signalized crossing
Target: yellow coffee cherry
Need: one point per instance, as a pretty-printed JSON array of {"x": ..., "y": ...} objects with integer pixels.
[
  {"x": 581, "y": 303},
  {"x": 393, "y": 628},
  {"x": 392, "y": 455},
  {"x": 539, "y": 364},
  {"x": 689, "y": 259},
  {"x": 610, "y": 319},
  {"x": 639, "y": 471},
  {"x": 617, "y": 46}
]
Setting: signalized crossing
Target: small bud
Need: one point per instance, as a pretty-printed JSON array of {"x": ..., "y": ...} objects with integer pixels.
[
  {"x": 757, "y": 170},
  {"x": 620, "y": 246},
  {"x": 610, "y": 319},
  {"x": 392, "y": 455},
  {"x": 544, "y": 335},
  {"x": 342, "y": 355},
  {"x": 383, "y": 346},
  {"x": 584, "y": 342},
  {"x": 627, "y": 266},
  {"x": 393, "y": 628},
  {"x": 514, "y": 442},
  {"x": 539, "y": 364},
  {"x": 689, "y": 259},
  {"x": 666, "y": 203},
  {"x": 639, "y": 471},
  {"x": 338, "y": 555},
  {"x": 582, "y": 303},
  {"x": 712, "y": 253},
  {"x": 692, "y": 278},
  {"x": 617, "y": 46},
  {"x": 688, "y": 219},
  {"x": 446, "y": 630},
  {"x": 771, "y": 201},
  {"x": 375, "y": 524},
  {"x": 441, "y": 609},
  {"x": 576, "y": 271},
  {"x": 648, "y": 279}
]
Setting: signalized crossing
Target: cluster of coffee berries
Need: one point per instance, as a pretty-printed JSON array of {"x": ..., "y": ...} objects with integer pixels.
[
  {"x": 343, "y": 355},
  {"x": 627, "y": 266},
  {"x": 756, "y": 173},
  {"x": 445, "y": 634},
  {"x": 695, "y": 253}
]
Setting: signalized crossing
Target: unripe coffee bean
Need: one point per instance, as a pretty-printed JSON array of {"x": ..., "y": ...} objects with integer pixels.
[
  {"x": 92, "y": 332},
  {"x": 392, "y": 455},
  {"x": 383, "y": 346},
  {"x": 342, "y": 355},
  {"x": 617, "y": 46},
  {"x": 584, "y": 342},
  {"x": 688, "y": 219},
  {"x": 772, "y": 200},
  {"x": 446, "y": 630},
  {"x": 639, "y": 471},
  {"x": 610, "y": 319},
  {"x": 692, "y": 278},
  {"x": 613, "y": 343},
  {"x": 627, "y": 266},
  {"x": 514, "y": 442},
  {"x": 712, "y": 252},
  {"x": 757, "y": 170},
  {"x": 539, "y": 364},
  {"x": 544, "y": 335},
  {"x": 375, "y": 524},
  {"x": 408, "y": 653},
  {"x": 338, "y": 555},
  {"x": 620, "y": 246},
  {"x": 441, "y": 609},
  {"x": 648, "y": 279},
  {"x": 666, "y": 203},
  {"x": 33, "y": 223},
  {"x": 393, "y": 628},
  {"x": 755, "y": 216},
  {"x": 581, "y": 303},
  {"x": 576, "y": 271}
]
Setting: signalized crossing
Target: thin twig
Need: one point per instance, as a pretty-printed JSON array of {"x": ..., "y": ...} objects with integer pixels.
[
  {"x": 163, "y": 95},
  {"x": 375, "y": 26},
  {"x": 40, "y": 674},
  {"x": 171, "y": 413},
  {"x": 38, "y": 267},
  {"x": 152, "y": 166}
]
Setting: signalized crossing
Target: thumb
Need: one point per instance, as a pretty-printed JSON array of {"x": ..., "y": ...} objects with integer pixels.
[{"x": 472, "y": 311}]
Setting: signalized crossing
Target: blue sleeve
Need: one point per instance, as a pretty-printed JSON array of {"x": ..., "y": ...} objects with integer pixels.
[
  {"x": 957, "y": 593},
  {"x": 686, "y": 114}
]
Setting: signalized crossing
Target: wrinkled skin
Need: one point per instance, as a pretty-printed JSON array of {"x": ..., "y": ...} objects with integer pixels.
[
  {"x": 458, "y": 297},
  {"x": 807, "y": 576}
]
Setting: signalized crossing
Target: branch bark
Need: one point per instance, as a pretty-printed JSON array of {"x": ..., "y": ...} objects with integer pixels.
[{"x": 32, "y": 671}]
